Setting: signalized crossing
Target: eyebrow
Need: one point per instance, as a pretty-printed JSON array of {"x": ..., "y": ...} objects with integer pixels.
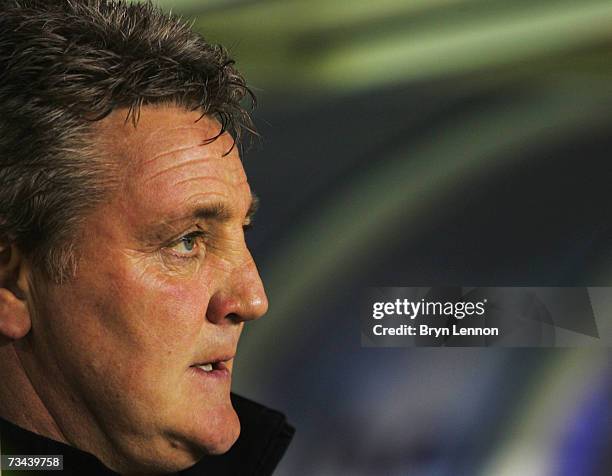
[
  {"x": 216, "y": 211},
  {"x": 220, "y": 212}
]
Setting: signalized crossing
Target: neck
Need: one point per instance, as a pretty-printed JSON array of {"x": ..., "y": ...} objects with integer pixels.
[{"x": 19, "y": 401}]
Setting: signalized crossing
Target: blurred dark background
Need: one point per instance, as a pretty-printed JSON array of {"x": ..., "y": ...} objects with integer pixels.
[{"x": 421, "y": 143}]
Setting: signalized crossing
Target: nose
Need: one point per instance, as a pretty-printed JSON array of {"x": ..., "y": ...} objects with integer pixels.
[{"x": 241, "y": 298}]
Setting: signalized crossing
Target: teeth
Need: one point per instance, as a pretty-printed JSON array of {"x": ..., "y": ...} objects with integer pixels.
[{"x": 206, "y": 367}]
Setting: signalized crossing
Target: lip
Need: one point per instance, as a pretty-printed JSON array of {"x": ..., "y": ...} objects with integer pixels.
[{"x": 220, "y": 369}]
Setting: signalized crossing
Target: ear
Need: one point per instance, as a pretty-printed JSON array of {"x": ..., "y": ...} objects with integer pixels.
[{"x": 15, "y": 320}]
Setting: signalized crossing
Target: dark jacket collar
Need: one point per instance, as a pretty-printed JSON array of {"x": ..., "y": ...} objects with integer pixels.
[{"x": 264, "y": 438}]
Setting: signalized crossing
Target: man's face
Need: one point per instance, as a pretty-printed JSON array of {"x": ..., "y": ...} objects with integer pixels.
[{"x": 164, "y": 283}]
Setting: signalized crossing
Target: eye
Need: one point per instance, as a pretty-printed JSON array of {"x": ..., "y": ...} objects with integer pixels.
[{"x": 187, "y": 246}]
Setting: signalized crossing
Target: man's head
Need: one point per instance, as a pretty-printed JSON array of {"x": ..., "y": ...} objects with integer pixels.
[
  {"x": 65, "y": 64},
  {"x": 124, "y": 275}
]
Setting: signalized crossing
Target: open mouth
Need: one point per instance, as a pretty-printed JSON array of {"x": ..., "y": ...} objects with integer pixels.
[
  {"x": 211, "y": 366},
  {"x": 217, "y": 369}
]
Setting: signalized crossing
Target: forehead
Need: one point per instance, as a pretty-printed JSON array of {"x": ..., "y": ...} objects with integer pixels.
[
  {"x": 169, "y": 159},
  {"x": 162, "y": 131}
]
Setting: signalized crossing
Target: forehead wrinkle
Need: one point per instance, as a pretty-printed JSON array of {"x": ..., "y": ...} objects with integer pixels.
[
  {"x": 155, "y": 134},
  {"x": 208, "y": 178},
  {"x": 170, "y": 152},
  {"x": 178, "y": 166},
  {"x": 198, "y": 142},
  {"x": 205, "y": 194},
  {"x": 212, "y": 164}
]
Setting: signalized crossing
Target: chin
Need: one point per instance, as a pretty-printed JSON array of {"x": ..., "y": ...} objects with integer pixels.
[
  {"x": 186, "y": 450},
  {"x": 207, "y": 427},
  {"x": 218, "y": 432}
]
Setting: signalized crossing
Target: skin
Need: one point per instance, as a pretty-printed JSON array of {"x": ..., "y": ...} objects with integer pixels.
[{"x": 105, "y": 362}]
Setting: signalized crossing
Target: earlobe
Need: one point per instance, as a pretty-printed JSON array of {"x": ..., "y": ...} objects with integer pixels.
[
  {"x": 15, "y": 320},
  {"x": 14, "y": 316}
]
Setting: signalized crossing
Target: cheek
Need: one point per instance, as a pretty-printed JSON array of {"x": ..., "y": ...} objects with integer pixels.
[
  {"x": 127, "y": 336},
  {"x": 130, "y": 319},
  {"x": 163, "y": 313},
  {"x": 173, "y": 310}
]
